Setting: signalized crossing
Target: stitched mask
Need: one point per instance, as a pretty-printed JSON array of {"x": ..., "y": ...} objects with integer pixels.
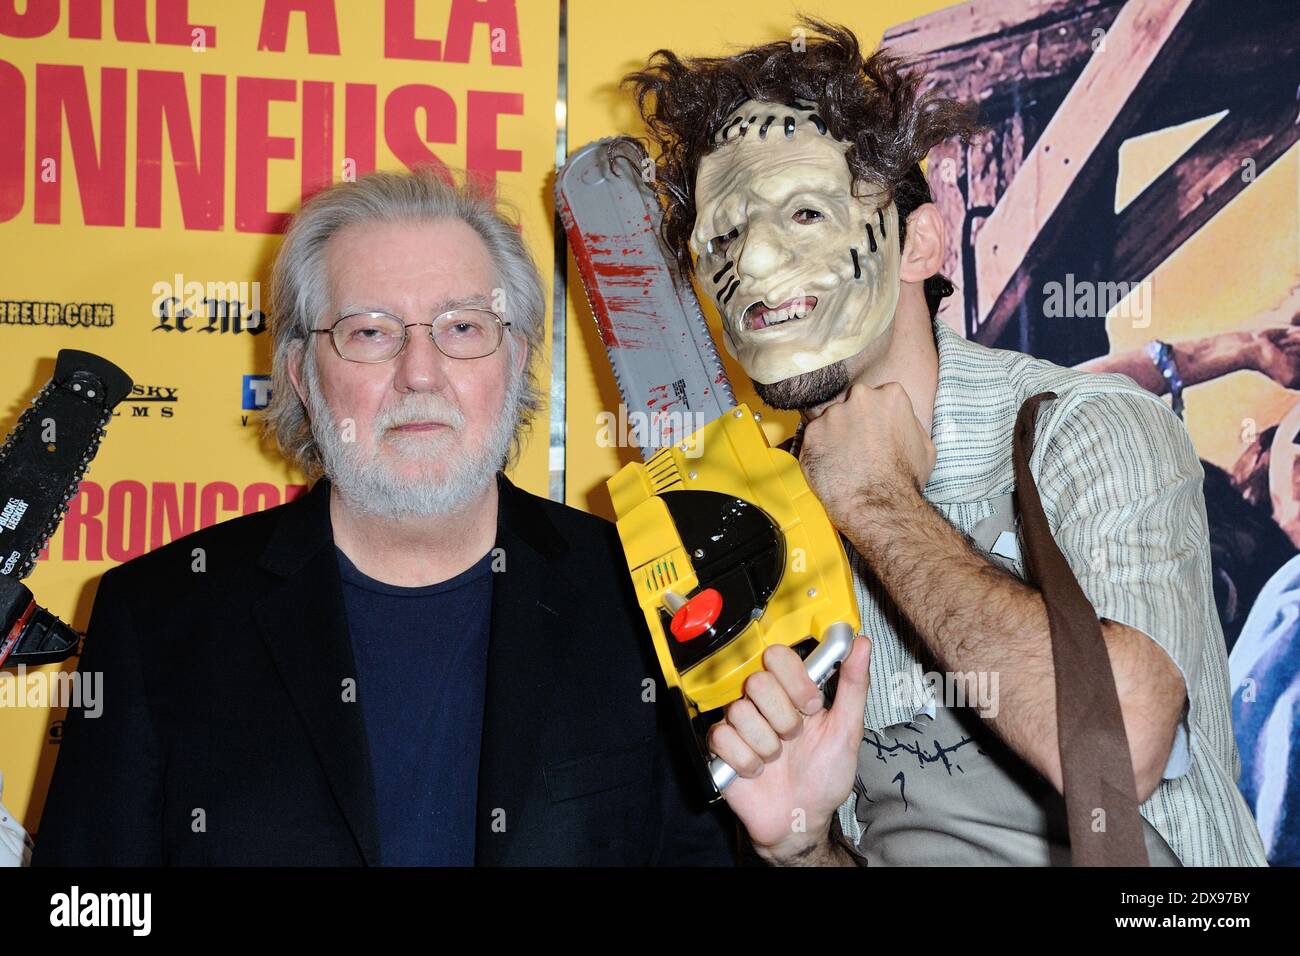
[{"x": 803, "y": 272}]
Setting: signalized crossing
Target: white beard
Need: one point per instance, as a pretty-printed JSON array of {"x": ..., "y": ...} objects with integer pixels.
[{"x": 369, "y": 485}]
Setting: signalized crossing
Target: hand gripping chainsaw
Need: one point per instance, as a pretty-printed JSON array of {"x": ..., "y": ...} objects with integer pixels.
[{"x": 729, "y": 549}]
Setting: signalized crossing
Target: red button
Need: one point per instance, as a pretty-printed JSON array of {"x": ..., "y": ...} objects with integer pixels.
[{"x": 697, "y": 615}]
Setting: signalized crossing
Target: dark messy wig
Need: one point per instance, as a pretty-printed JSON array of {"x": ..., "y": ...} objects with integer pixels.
[{"x": 876, "y": 104}]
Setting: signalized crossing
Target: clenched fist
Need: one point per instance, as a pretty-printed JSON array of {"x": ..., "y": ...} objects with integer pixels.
[{"x": 869, "y": 445}]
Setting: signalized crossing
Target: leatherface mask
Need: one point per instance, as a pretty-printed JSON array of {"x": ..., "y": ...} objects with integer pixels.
[{"x": 803, "y": 272}]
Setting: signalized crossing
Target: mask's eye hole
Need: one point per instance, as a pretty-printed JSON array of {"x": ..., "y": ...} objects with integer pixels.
[
  {"x": 807, "y": 216},
  {"x": 718, "y": 244}
]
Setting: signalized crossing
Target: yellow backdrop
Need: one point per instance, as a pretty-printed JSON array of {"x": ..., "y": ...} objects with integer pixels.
[{"x": 81, "y": 145}]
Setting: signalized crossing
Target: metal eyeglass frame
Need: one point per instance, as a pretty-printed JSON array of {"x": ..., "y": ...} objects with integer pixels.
[{"x": 502, "y": 325}]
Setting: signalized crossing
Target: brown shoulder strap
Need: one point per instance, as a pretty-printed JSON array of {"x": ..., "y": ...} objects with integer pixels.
[{"x": 1101, "y": 802}]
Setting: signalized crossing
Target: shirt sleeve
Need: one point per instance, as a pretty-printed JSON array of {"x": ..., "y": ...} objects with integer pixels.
[
  {"x": 1122, "y": 487},
  {"x": 15, "y": 844}
]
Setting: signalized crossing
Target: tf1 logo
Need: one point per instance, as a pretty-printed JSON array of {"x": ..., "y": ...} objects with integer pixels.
[{"x": 256, "y": 392}]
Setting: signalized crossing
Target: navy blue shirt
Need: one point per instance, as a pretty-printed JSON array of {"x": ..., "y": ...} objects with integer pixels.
[{"x": 421, "y": 657}]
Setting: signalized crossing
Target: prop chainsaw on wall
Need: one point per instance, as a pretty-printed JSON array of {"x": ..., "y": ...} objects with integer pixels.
[
  {"x": 41, "y": 466},
  {"x": 729, "y": 549}
]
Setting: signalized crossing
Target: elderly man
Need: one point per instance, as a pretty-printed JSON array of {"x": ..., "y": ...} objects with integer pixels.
[
  {"x": 416, "y": 663},
  {"x": 799, "y": 203}
]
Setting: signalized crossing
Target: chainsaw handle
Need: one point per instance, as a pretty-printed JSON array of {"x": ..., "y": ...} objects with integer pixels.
[{"x": 821, "y": 663}]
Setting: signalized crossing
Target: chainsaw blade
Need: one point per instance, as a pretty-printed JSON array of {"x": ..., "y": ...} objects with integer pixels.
[
  {"x": 44, "y": 459},
  {"x": 665, "y": 362}
]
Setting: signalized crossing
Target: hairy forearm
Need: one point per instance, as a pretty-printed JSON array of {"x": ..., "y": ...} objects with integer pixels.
[
  {"x": 832, "y": 850},
  {"x": 970, "y": 614},
  {"x": 975, "y": 617}
]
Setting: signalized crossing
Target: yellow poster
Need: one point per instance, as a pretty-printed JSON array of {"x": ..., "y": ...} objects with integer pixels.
[{"x": 149, "y": 152}]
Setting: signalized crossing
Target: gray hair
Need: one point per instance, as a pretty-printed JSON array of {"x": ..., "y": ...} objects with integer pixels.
[{"x": 299, "y": 287}]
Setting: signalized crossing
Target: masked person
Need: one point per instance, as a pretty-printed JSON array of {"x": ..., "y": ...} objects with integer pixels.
[{"x": 795, "y": 196}]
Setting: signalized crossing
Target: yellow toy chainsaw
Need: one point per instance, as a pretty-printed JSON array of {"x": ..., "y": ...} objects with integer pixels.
[{"x": 729, "y": 549}]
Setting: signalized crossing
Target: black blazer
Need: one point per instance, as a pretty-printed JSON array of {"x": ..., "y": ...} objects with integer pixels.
[{"x": 225, "y": 737}]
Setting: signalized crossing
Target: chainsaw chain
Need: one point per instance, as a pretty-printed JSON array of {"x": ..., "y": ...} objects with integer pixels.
[{"x": 29, "y": 415}]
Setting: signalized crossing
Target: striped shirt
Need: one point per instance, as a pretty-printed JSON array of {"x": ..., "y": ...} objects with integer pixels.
[{"x": 1121, "y": 486}]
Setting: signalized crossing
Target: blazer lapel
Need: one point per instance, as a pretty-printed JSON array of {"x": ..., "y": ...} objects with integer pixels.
[
  {"x": 304, "y": 625},
  {"x": 526, "y": 597}
]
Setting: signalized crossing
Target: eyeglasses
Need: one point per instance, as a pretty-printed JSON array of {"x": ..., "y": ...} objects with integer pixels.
[{"x": 373, "y": 337}]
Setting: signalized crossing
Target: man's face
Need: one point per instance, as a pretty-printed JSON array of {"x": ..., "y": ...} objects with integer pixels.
[
  {"x": 804, "y": 274},
  {"x": 428, "y": 432}
]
